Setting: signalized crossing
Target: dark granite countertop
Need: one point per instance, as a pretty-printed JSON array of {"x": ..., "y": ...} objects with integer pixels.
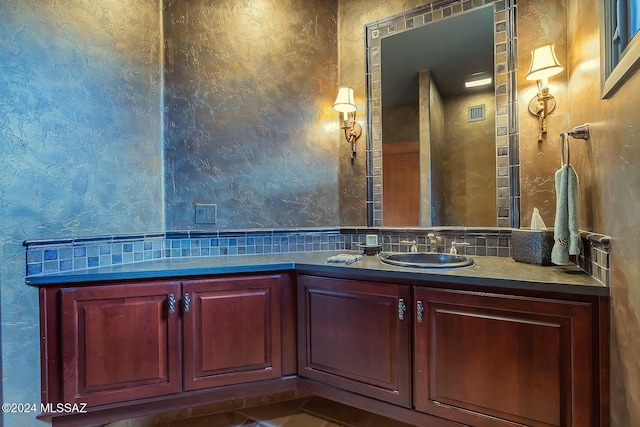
[{"x": 487, "y": 271}]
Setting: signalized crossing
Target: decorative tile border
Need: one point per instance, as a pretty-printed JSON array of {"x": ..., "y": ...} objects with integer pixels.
[
  {"x": 595, "y": 256},
  {"x": 507, "y": 160},
  {"x": 54, "y": 256},
  {"x": 481, "y": 241},
  {"x": 59, "y": 255}
]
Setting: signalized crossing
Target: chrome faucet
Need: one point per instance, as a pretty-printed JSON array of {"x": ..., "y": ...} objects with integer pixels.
[
  {"x": 414, "y": 247},
  {"x": 432, "y": 242},
  {"x": 455, "y": 245}
]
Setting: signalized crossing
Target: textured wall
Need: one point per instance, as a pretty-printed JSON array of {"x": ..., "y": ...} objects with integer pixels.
[
  {"x": 438, "y": 142},
  {"x": 249, "y": 123},
  {"x": 609, "y": 169},
  {"x": 430, "y": 120},
  {"x": 80, "y": 142},
  {"x": 470, "y": 162},
  {"x": 540, "y": 22},
  {"x": 402, "y": 124}
]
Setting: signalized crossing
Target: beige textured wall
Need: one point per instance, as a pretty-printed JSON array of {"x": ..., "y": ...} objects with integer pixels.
[
  {"x": 434, "y": 212},
  {"x": 427, "y": 94},
  {"x": 609, "y": 169},
  {"x": 469, "y": 162},
  {"x": 540, "y": 22},
  {"x": 403, "y": 124}
]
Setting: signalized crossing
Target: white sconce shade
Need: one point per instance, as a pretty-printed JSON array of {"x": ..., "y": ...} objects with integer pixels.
[
  {"x": 544, "y": 63},
  {"x": 346, "y": 106},
  {"x": 345, "y": 102}
]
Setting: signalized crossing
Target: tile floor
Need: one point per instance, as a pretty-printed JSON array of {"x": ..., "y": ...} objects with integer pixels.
[{"x": 300, "y": 412}]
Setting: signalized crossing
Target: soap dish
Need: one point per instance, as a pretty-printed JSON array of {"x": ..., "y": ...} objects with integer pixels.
[{"x": 370, "y": 249}]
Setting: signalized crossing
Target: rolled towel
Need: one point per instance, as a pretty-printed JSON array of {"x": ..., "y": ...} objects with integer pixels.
[{"x": 344, "y": 259}]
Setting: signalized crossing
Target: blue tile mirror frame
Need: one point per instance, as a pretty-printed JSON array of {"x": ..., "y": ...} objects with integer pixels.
[{"x": 507, "y": 207}]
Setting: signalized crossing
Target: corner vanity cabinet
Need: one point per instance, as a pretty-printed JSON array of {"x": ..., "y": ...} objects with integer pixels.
[
  {"x": 110, "y": 343},
  {"x": 445, "y": 357},
  {"x": 437, "y": 353}
]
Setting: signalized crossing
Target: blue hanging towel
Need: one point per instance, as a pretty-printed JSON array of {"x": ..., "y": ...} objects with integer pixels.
[{"x": 565, "y": 229}]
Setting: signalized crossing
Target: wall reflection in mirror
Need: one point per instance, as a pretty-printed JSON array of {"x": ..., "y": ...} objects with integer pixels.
[{"x": 444, "y": 109}]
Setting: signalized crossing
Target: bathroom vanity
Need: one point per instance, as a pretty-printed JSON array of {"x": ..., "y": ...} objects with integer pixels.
[{"x": 498, "y": 344}]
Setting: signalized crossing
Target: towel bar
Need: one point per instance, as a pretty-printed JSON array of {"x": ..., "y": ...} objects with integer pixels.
[{"x": 578, "y": 132}]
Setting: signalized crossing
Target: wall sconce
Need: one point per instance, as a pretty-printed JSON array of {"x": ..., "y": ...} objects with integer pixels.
[
  {"x": 347, "y": 108},
  {"x": 544, "y": 64}
]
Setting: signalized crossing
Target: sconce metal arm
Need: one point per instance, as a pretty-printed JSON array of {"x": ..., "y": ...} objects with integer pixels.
[
  {"x": 541, "y": 105},
  {"x": 352, "y": 131}
]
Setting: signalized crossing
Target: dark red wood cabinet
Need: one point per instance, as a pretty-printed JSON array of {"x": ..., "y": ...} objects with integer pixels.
[
  {"x": 498, "y": 360},
  {"x": 356, "y": 336},
  {"x": 107, "y": 343},
  {"x": 119, "y": 342},
  {"x": 422, "y": 352},
  {"x": 231, "y": 331},
  {"x": 443, "y": 357}
]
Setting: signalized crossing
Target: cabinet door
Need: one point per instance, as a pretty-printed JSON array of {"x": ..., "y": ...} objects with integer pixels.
[
  {"x": 492, "y": 360},
  {"x": 120, "y": 342},
  {"x": 231, "y": 330},
  {"x": 356, "y": 336}
]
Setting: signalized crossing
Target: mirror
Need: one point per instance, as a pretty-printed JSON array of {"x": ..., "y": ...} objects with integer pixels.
[
  {"x": 437, "y": 153},
  {"x": 438, "y": 138}
]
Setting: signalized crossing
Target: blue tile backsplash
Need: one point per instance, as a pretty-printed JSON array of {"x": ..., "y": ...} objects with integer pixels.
[
  {"x": 55, "y": 256},
  {"x": 60, "y": 255}
]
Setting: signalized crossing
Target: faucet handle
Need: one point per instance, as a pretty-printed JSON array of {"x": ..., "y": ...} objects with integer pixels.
[
  {"x": 455, "y": 245},
  {"x": 414, "y": 247}
]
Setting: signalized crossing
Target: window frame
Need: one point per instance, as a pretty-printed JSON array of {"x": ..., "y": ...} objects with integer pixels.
[{"x": 615, "y": 71}]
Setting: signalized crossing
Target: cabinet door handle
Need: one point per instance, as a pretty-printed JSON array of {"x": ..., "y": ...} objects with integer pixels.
[
  {"x": 401, "y": 308},
  {"x": 419, "y": 311},
  {"x": 186, "y": 303},
  {"x": 172, "y": 303}
]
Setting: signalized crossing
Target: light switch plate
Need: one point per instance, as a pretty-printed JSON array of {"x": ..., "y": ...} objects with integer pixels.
[{"x": 206, "y": 213}]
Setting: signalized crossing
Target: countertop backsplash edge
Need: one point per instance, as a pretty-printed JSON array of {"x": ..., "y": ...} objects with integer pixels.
[{"x": 57, "y": 255}]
